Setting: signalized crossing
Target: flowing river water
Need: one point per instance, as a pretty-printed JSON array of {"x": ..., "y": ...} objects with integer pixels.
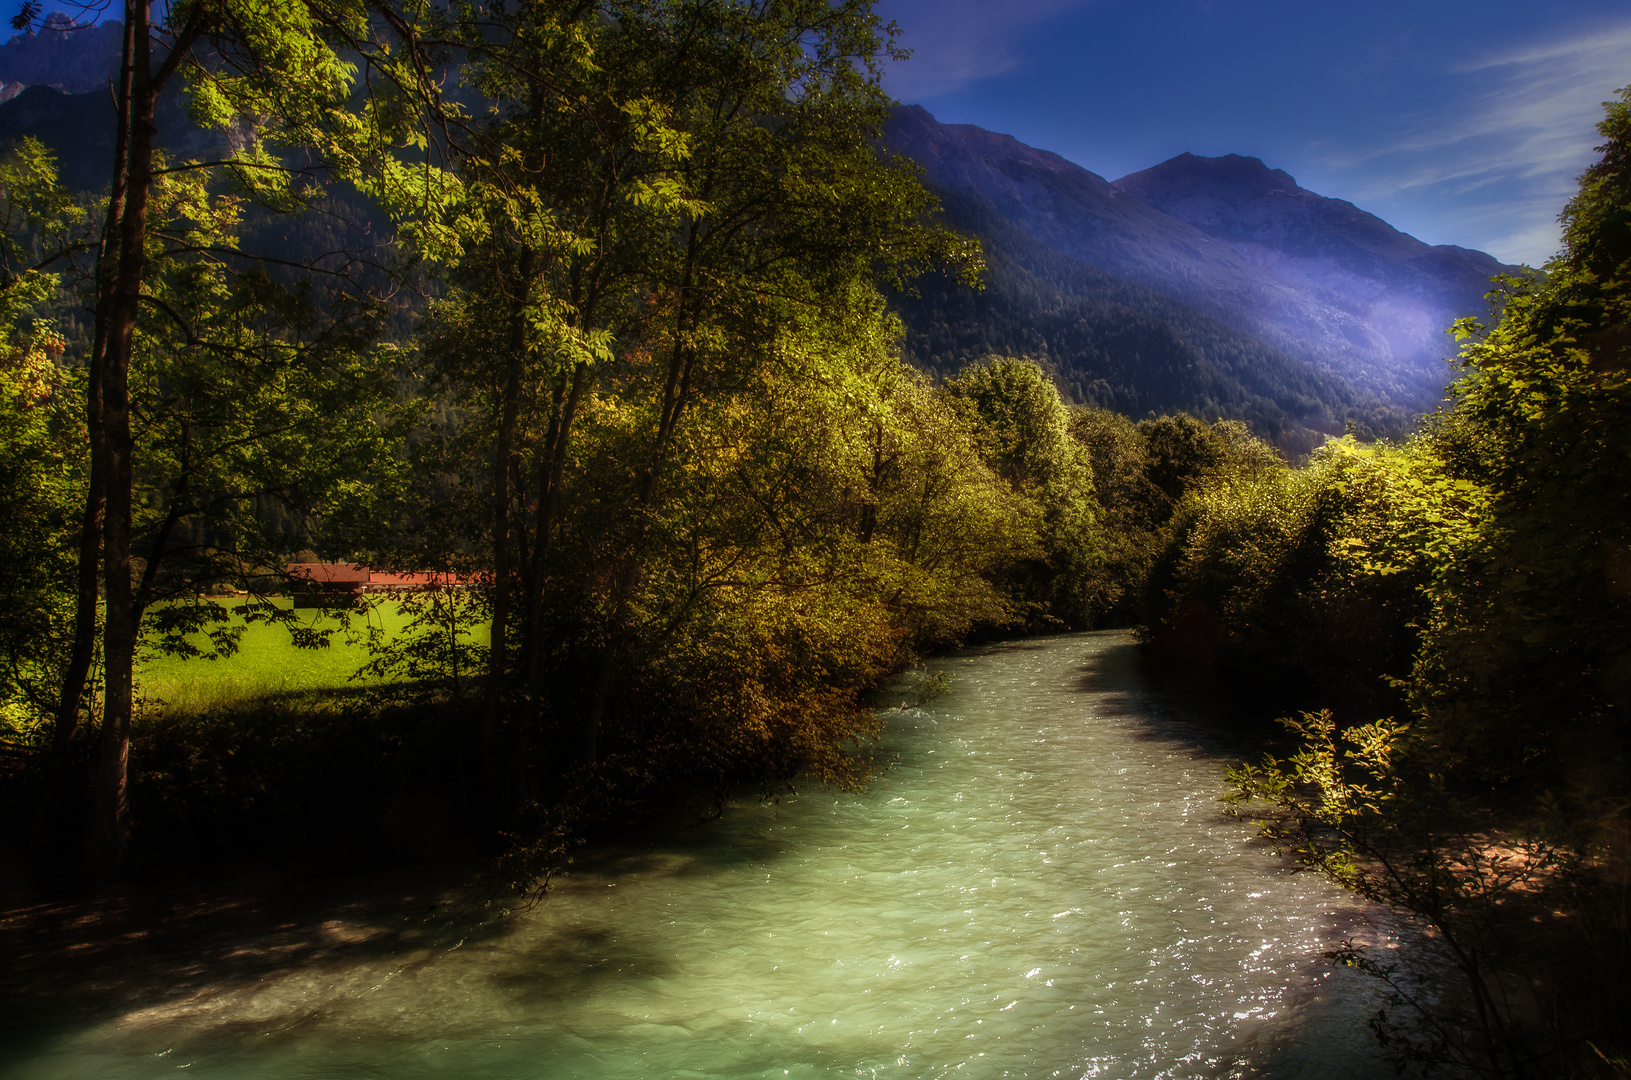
[{"x": 1043, "y": 885}]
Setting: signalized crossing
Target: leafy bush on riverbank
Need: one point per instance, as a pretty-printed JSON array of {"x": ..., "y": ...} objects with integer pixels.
[
  {"x": 1143, "y": 473},
  {"x": 1310, "y": 580}
]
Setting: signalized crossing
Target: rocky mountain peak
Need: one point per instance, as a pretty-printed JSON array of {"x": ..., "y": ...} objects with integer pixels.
[
  {"x": 1242, "y": 200},
  {"x": 68, "y": 56}
]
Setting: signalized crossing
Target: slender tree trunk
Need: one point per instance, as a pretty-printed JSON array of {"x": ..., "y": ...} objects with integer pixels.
[
  {"x": 90, "y": 533},
  {"x": 111, "y": 822},
  {"x": 676, "y": 394},
  {"x": 509, "y": 409},
  {"x": 161, "y": 543},
  {"x": 551, "y": 467},
  {"x": 534, "y": 640},
  {"x": 551, "y": 464},
  {"x": 90, "y": 564}
]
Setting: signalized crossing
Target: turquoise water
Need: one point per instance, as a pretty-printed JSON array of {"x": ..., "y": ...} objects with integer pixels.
[{"x": 1042, "y": 886}]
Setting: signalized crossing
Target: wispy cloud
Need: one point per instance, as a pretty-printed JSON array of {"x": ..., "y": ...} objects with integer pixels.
[
  {"x": 1501, "y": 158},
  {"x": 956, "y": 43}
]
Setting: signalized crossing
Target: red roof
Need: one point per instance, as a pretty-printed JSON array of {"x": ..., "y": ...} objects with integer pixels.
[
  {"x": 358, "y": 576},
  {"x": 349, "y": 575},
  {"x": 413, "y": 580}
]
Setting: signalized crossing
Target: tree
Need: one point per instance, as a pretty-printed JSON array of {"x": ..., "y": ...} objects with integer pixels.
[
  {"x": 280, "y": 66},
  {"x": 664, "y": 186},
  {"x": 1130, "y": 511},
  {"x": 1023, "y": 431},
  {"x": 1499, "y": 814},
  {"x": 1536, "y": 618},
  {"x": 1307, "y": 581},
  {"x": 269, "y": 419},
  {"x": 39, "y": 227},
  {"x": 38, "y": 433}
]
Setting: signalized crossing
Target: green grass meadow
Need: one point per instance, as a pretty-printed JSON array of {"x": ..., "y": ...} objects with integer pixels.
[{"x": 267, "y": 663}]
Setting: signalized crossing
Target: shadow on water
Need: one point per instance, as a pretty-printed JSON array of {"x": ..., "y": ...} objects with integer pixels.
[
  {"x": 1212, "y": 717},
  {"x": 72, "y": 965},
  {"x": 577, "y": 960}
]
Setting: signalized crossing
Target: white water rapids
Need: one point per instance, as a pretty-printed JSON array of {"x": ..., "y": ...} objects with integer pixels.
[{"x": 1042, "y": 886}]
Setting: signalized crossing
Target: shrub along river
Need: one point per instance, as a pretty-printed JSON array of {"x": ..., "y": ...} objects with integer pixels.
[{"x": 1043, "y": 885}]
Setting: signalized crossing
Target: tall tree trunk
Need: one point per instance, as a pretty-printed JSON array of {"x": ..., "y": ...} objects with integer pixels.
[
  {"x": 551, "y": 464},
  {"x": 111, "y": 823},
  {"x": 676, "y": 395},
  {"x": 508, "y": 411},
  {"x": 503, "y": 586},
  {"x": 551, "y": 467},
  {"x": 90, "y": 532}
]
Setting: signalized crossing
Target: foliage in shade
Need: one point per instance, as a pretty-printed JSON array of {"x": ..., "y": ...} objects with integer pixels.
[
  {"x": 1495, "y": 543},
  {"x": 40, "y": 432}
]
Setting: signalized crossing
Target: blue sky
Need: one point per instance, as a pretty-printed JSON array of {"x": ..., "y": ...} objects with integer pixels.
[{"x": 1460, "y": 123}]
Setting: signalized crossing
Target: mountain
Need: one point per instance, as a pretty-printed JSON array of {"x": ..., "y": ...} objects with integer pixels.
[
  {"x": 1231, "y": 241},
  {"x": 1402, "y": 291},
  {"x": 74, "y": 59},
  {"x": 78, "y": 128},
  {"x": 1121, "y": 345},
  {"x": 54, "y": 86}
]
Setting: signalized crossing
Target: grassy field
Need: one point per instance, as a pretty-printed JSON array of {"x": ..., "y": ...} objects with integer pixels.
[{"x": 266, "y": 663}]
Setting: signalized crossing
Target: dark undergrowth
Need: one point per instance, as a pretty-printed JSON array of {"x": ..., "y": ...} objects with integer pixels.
[{"x": 330, "y": 780}]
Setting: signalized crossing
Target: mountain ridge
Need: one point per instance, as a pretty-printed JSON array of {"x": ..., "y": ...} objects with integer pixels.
[
  {"x": 1377, "y": 324},
  {"x": 73, "y": 58},
  {"x": 1266, "y": 216},
  {"x": 1121, "y": 345}
]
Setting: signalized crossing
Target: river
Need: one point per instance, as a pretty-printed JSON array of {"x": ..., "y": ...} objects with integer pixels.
[{"x": 1042, "y": 886}]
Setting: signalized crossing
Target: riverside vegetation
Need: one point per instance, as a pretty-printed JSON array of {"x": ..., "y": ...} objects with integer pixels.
[{"x": 627, "y": 366}]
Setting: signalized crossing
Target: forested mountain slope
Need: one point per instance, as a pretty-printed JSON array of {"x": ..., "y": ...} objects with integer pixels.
[
  {"x": 1401, "y": 291},
  {"x": 74, "y": 59},
  {"x": 1123, "y": 346},
  {"x": 1312, "y": 277},
  {"x": 78, "y": 128}
]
